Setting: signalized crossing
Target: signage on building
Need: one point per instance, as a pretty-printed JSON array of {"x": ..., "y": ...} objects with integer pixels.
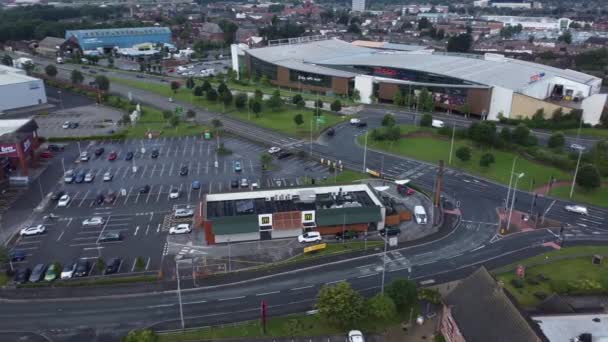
[
  {"x": 27, "y": 143},
  {"x": 308, "y": 216},
  {"x": 537, "y": 77},
  {"x": 309, "y": 79},
  {"x": 385, "y": 72},
  {"x": 8, "y": 150},
  {"x": 265, "y": 220}
]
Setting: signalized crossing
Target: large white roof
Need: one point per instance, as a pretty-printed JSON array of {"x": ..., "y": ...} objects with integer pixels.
[
  {"x": 10, "y": 75},
  {"x": 11, "y": 125}
]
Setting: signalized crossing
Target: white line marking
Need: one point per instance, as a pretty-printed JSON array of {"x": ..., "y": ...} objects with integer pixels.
[
  {"x": 60, "y": 235},
  {"x": 368, "y": 275},
  {"x": 224, "y": 299},
  {"x": 267, "y": 293},
  {"x": 301, "y": 288}
]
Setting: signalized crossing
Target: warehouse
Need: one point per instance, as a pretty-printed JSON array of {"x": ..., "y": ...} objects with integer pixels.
[
  {"x": 489, "y": 85},
  {"x": 17, "y": 90},
  {"x": 284, "y": 213},
  {"x": 104, "y": 40}
]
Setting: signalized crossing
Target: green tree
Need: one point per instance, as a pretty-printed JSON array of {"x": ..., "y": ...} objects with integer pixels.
[
  {"x": 340, "y": 306},
  {"x": 483, "y": 133},
  {"x": 110, "y": 61},
  {"x": 463, "y": 153},
  {"x": 7, "y": 60},
  {"x": 145, "y": 335},
  {"x": 50, "y": 70},
  {"x": 256, "y": 107},
  {"x": 265, "y": 160},
  {"x": 336, "y": 106},
  {"x": 356, "y": 95},
  {"x": 264, "y": 80},
  {"x": 380, "y": 308},
  {"x": 486, "y": 160},
  {"x": 398, "y": 98},
  {"x": 227, "y": 98},
  {"x": 240, "y": 100},
  {"x": 190, "y": 114},
  {"x": 389, "y": 120},
  {"x": 190, "y": 83},
  {"x": 167, "y": 114},
  {"x": 222, "y": 88},
  {"x": 521, "y": 134},
  {"x": 174, "y": 121},
  {"x": 175, "y": 85},
  {"x": 126, "y": 119},
  {"x": 298, "y": 119},
  {"x": 76, "y": 77},
  {"x": 211, "y": 95},
  {"x": 102, "y": 82},
  {"x": 275, "y": 102},
  {"x": 505, "y": 134},
  {"x": 556, "y": 140},
  {"x": 206, "y": 85},
  {"x": 426, "y": 120},
  {"x": 588, "y": 177},
  {"x": 403, "y": 293},
  {"x": 297, "y": 98},
  {"x": 460, "y": 43},
  {"x": 258, "y": 95},
  {"x": 198, "y": 91},
  {"x": 566, "y": 37}
]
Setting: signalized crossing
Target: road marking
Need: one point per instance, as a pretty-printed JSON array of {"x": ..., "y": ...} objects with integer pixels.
[
  {"x": 137, "y": 196},
  {"x": 147, "y": 229},
  {"x": 301, "y": 288},
  {"x": 197, "y": 302},
  {"x": 60, "y": 235},
  {"x": 158, "y": 306},
  {"x": 368, "y": 275},
  {"x": 136, "y": 230},
  {"x": 27, "y": 248},
  {"x": 162, "y": 170},
  {"x": 333, "y": 282},
  {"x": 159, "y": 192},
  {"x": 149, "y": 193},
  {"x": 69, "y": 222},
  {"x": 478, "y": 248},
  {"x": 549, "y": 207},
  {"x": 224, "y": 299},
  {"x": 128, "y": 194},
  {"x": 91, "y": 248},
  {"x": 158, "y": 228},
  {"x": 134, "y": 262},
  {"x": 143, "y": 172},
  {"x": 267, "y": 293},
  {"x": 148, "y": 264},
  {"x": 83, "y": 198},
  {"x": 171, "y": 169},
  {"x": 198, "y": 168}
]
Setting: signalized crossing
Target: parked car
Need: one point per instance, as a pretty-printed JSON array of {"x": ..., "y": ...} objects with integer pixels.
[
  {"x": 237, "y": 166},
  {"x": 84, "y": 156},
  {"x": 52, "y": 272},
  {"x": 74, "y": 124},
  {"x": 361, "y": 124},
  {"x": 405, "y": 190},
  {"x": 22, "y": 275},
  {"x": 355, "y": 336},
  {"x": 390, "y": 232},
  {"x": 80, "y": 176},
  {"x": 57, "y": 195},
  {"x": 68, "y": 176},
  {"x": 129, "y": 155},
  {"x": 88, "y": 178},
  {"x": 354, "y": 121},
  {"x": 244, "y": 183},
  {"x": 110, "y": 197},
  {"x": 82, "y": 268},
  {"x": 331, "y": 132},
  {"x": 234, "y": 183},
  {"x": 154, "y": 154},
  {"x": 93, "y": 221},
  {"x": 68, "y": 270},
  {"x": 181, "y": 213},
  {"x": 274, "y": 149},
  {"x": 183, "y": 228},
  {"x": 112, "y": 266},
  {"x": 347, "y": 235},
  {"x": 46, "y": 154},
  {"x": 63, "y": 201},
  {"x": 437, "y": 123},
  {"x": 174, "y": 193},
  {"x": 112, "y": 156},
  {"x": 309, "y": 237},
  {"x": 255, "y": 185},
  {"x": 17, "y": 255},
  {"x": 144, "y": 189},
  {"x": 284, "y": 155},
  {"x": 183, "y": 171},
  {"x": 107, "y": 176},
  {"x": 99, "y": 199},
  {"x": 577, "y": 209},
  {"x": 35, "y": 230},
  {"x": 66, "y": 125},
  {"x": 196, "y": 185},
  {"x": 55, "y": 148},
  {"x": 99, "y": 151},
  {"x": 37, "y": 273},
  {"x": 110, "y": 236}
]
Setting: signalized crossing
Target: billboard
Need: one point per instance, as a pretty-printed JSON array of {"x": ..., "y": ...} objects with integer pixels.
[{"x": 8, "y": 150}]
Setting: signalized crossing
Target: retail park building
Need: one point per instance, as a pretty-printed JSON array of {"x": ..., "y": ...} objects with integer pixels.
[{"x": 490, "y": 85}]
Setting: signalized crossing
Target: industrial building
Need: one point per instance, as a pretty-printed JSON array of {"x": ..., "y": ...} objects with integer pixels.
[
  {"x": 108, "y": 39},
  {"x": 284, "y": 213},
  {"x": 489, "y": 85},
  {"x": 17, "y": 90},
  {"x": 532, "y": 23}
]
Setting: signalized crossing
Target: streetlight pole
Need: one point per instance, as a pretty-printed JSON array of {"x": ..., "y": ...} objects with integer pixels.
[
  {"x": 41, "y": 192},
  {"x": 578, "y": 162},
  {"x": 384, "y": 264},
  {"x": 179, "y": 294},
  {"x": 513, "y": 199},
  {"x": 510, "y": 181},
  {"x": 365, "y": 153},
  {"x": 79, "y": 149},
  {"x": 229, "y": 258},
  {"x": 63, "y": 165},
  {"x": 452, "y": 144},
  {"x": 311, "y": 136}
]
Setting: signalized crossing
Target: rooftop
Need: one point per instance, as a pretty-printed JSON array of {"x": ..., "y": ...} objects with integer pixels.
[
  {"x": 12, "y": 127},
  {"x": 117, "y": 32},
  {"x": 10, "y": 75},
  {"x": 564, "y": 328}
]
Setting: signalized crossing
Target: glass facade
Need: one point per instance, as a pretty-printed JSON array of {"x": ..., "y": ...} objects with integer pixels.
[
  {"x": 261, "y": 68},
  {"x": 410, "y": 75},
  {"x": 308, "y": 78}
]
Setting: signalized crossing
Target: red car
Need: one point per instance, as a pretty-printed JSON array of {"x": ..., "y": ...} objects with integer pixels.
[
  {"x": 112, "y": 156},
  {"x": 171, "y": 70},
  {"x": 46, "y": 154},
  {"x": 404, "y": 190}
]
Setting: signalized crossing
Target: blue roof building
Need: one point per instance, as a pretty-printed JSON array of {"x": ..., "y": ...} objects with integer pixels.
[{"x": 120, "y": 37}]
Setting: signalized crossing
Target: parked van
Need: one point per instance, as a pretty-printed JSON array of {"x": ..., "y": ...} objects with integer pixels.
[
  {"x": 420, "y": 214},
  {"x": 437, "y": 124}
]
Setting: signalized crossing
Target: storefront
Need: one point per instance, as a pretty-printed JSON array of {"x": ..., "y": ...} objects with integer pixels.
[{"x": 18, "y": 141}]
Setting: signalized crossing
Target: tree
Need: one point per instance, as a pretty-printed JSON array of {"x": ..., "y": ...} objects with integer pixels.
[
  {"x": 505, "y": 134},
  {"x": 174, "y": 121},
  {"x": 100, "y": 265},
  {"x": 190, "y": 113},
  {"x": 380, "y": 307},
  {"x": 520, "y": 134},
  {"x": 460, "y": 43},
  {"x": 336, "y": 106},
  {"x": 425, "y": 101},
  {"x": 398, "y": 98},
  {"x": 339, "y": 305},
  {"x": 275, "y": 102},
  {"x": 198, "y": 91},
  {"x": 356, "y": 95},
  {"x": 189, "y": 83},
  {"x": 403, "y": 293},
  {"x": 297, "y": 98},
  {"x": 486, "y": 160},
  {"x": 50, "y": 70},
  {"x": 298, "y": 119},
  {"x": 175, "y": 85},
  {"x": 28, "y": 67},
  {"x": 256, "y": 107},
  {"x": 145, "y": 335},
  {"x": 354, "y": 28},
  {"x": 227, "y": 98},
  {"x": 483, "y": 133},
  {"x": 463, "y": 153},
  {"x": 265, "y": 160},
  {"x": 240, "y": 100},
  {"x": 264, "y": 80},
  {"x": 588, "y": 177},
  {"x": 211, "y": 95},
  {"x": 126, "y": 119},
  {"x": 258, "y": 95},
  {"x": 7, "y": 60},
  {"x": 222, "y": 88},
  {"x": 556, "y": 140},
  {"x": 167, "y": 114},
  {"x": 424, "y": 23},
  {"x": 102, "y": 82},
  {"x": 566, "y": 37},
  {"x": 110, "y": 62},
  {"x": 76, "y": 77},
  {"x": 426, "y": 120},
  {"x": 389, "y": 120},
  {"x": 206, "y": 85}
]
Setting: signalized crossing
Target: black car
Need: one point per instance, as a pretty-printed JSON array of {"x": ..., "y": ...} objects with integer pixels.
[
  {"x": 234, "y": 183},
  {"x": 110, "y": 197},
  {"x": 80, "y": 176},
  {"x": 57, "y": 195},
  {"x": 144, "y": 189},
  {"x": 331, "y": 132},
  {"x": 55, "y": 148},
  {"x": 390, "y": 232},
  {"x": 110, "y": 236},
  {"x": 17, "y": 255},
  {"x": 37, "y": 273},
  {"x": 99, "y": 151},
  {"x": 73, "y": 125},
  {"x": 139, "y": 76},
  {"x": 154, "y": 153},
  {"x": 347, "y": 235},
  {"x": 362, "y": 124},
  {"x": 99, "y": 199},
  {"x": 82, "y": 268},
  {"x": 129, "y": 156},
  {"x": 284, "y": 155},
  {"x": 112, "y": 266},
  {"x": 22, "y": 275},
  {"x": 183, "y": 171}
]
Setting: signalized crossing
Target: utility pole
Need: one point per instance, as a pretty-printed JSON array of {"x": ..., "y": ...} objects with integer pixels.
[
  {"x": 365, "y": 153},
  {"x": 510, "y": 181},
  {"x": 311, "y": 135},
  {"x": 438, "y": 185},
  {"x": 578, "y": 162},
  {"x": 179, "y": 294},
  {"x": 452, "y": 144},
  {"x": 513, "y": 200},
  {"x": 384, "y": 264}
]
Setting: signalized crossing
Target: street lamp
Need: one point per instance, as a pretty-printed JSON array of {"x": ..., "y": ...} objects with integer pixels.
[
  {"x": 365, "y": 153},
  {"x": 179, "y": 293},
  {"x": 513, "y": 199},
  {"x": 510, "y": 181},
  {"x": 452, "y": 144},
  {"x": 384, "y": 264},
  {"x": 578, "y": 162}
]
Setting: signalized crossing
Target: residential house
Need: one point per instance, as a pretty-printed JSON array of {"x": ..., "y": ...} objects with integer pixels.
[{"x": 212, "y": 32}]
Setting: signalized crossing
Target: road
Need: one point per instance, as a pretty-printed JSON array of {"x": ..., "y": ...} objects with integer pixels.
[{"x": 473, "y": 243}]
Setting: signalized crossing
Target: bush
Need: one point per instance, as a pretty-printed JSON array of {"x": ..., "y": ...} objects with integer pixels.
[
  {"x": 336, "y": 106},
  {"x": 388, "y": 120},
  {"x": 426, "y": 120},
  {"x": 486, "y": 159},
  {"x": 517, "y": 283},
  {"x": 557, "y": 140},
  {"x": 297, "y": 98},
  {"x": 532, "y": 281},
  {"x": 540, "y": 295},
  {"x": 463, "y": 153},
  {"x": 588, "y": 177},
  {"x": 445, "y": 130},
  {"x": 240, "y": 100}
]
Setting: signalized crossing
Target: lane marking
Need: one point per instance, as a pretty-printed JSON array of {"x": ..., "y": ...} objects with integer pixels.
[
  {"x": 60, "y": 235},
  {"x": 301, "y": 288},
  {"x": 225, "y": 299},
  {"x": 368, "y": 275},
  {"x": 267, "y": 293}
]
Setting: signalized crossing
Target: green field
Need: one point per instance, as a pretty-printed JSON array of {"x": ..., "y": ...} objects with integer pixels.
[
  {"x": 567, "y": 276},
  {"x": 589, "y": 132},
  {"x": 597, "y": 197},
  {"x": 152, "y": 119},
  {"x": 435, "y": 148}
]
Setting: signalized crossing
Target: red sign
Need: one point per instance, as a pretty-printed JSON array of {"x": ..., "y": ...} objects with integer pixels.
[
  {"x": 385, "y": 71},
  {"x": 520, "y": 271},
  {"x": 8, "y": 150}
]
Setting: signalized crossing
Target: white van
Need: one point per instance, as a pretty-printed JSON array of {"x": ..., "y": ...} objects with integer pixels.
[
  {"x": 437, "y": 124},
  {"x": 420, "y": 214}
]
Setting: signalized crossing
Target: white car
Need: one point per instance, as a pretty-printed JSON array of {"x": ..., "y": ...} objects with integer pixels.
[
  {"x": 66, "y": 125},
  {"x": 274, "y": 149},
  {"x": 244, "y": 183},
  {"x": 181, "y": 213},
  {"x": 174, "y": 193},
  {"x": 35, "y": 230},
  {"x": 578, "y": 209},
  {"x": 93, "y": 221},
  {"x": 63, "y": 201},
  {"x": 577, "y": 147},
  {"x": 84, "y": 156},
  {"x": 255, "y": 185},
  {"x": 88, "y": 178},
  {"x": 355, "y": 121},
  {"x": 309, "y": 237},
  {"x": 68, "y": 271},
  {"x": 107, "y": 177},
  {"x": 355, "y": 336},
  {"x": 183, "y": 228}
]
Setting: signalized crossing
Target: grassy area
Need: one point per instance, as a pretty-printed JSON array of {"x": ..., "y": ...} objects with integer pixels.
[
  {"x": 589, "y": 132},
  {"x": 337, "y": 248},
  {"x": 559, "y": 275},
  {"x": 435, "y": 148},
  {"x": 3, "y": 279},
  {"x": 346, "y": 176},
  {"x": 597, "y": 197},
  {"x": 152, "y": 120}
]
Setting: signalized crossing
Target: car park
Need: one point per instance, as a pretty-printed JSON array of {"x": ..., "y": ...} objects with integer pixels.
[
  {"x": 68, "y": 270},
  {"x": 52, "y": 272},
  {"x": 22, "y": 275},
  {"x": 35, "y": 230},
  {"x": 183, "y": 171},
  {"x": 88, "y": 178},
  {"x": 99, "y": 199},
  {"x": 93, "y": 221},
  {"x": 174, "y": 193},
  {"x": 99, "y": 151},
  {"x": 37, "y": 273},
  {"x": 182, "y": 213},
  {"x": 237, "y": 166},
  {"x": 309, "y": 237},
  {"x": 196, "y": 185},
  {"x": 82, "y": 268},
  {"x": 107, "y": 177},
  {"x": 80, "y": 176},
  {"x": 244, "y": 183},
  {"x": 66, "y": 125},
  {"x": 110, "y": 197},
  {"x": 112, "y": 266},
  {"x": 577, "y": 209},
  {"x": 183, "y": 228},
  {"x": 63, "y": 201},
  {"x": 355, "y": 336},
  {"x": 57, "y": 195},
  {"x": 112, "y": 156},
  {"x": 144, "y": 189},
  {"x": 84, "y": 156},
  {"x": 274, "y": 149},
  {"x": 129, "y": 155},
  {"x": 110, "y": 236}
]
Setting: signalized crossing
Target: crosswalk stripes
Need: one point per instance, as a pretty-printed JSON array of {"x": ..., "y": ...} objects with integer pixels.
[{"x": 394, "y": 261}]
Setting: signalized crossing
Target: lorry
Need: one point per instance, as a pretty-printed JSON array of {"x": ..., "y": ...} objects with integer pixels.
[
  {"x": 437, "y": 123},
  {"x": 420, "y": 214},
  {"x": 21, "y": 61}
]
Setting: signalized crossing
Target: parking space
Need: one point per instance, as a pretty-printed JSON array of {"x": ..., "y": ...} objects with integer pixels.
[
  {"x": 219, "y": 66},
  {"x": 86, "y": 120}
]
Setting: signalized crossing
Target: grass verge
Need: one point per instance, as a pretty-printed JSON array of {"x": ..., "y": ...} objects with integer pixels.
[
  {"x": 93, "y": 282},
  {"x": 337, "y": 248},
  {"x": 589, "y": 132},
  {"x": 345, "y": 176},
  {"x": 597, "y": 197}
]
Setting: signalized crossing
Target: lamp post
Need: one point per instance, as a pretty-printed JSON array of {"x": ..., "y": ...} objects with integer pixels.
[
  {"x": 384, "y": 264},
  {"x": 452, "y": 143},
  {"x": 365, "y": 153},
  {"x": 510, "y": 181},
  {"x": 513, "y": 199},
  {"x": 179, "y": 294},
  {"x": 578, "y": 162}
]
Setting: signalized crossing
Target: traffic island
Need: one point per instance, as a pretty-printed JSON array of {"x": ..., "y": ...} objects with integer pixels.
[{"x": 522, "y": 222}]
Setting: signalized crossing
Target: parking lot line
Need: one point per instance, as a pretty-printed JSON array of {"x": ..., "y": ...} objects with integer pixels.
[
  {"x": 210, "y": 183},
  {"x": 171, "y": 169},
  {"x": 158, "y": 228},
  {"x": 189, "y": 192},
  {"x": 137, "y": 196},
  {"x": 149, "y": 193},
  {"x": 200, "y": 191},
  {"x": 198, "y": 168},
  {"x": 124, "y": 174},
  {"x": 162, "y": 170},
  {"x": 148, "y": 264},
  {"x": 83, "y": 198},
  {"x": 136, "y": 230},
  {"x": 143, "y": 172},
  {"x": 159, "y": 192},
  {"x": 176, "y": 150},
  {"x": 60, "y": 235},
  {"x": 147, "y": 229},
  {"x": 128, "y": 194},
  {"x": 133, "y": 267},
  {"x": 209, "y": 150},
  {"x": 73, "y": 199},
  {"x": 192, "y": 151}
]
